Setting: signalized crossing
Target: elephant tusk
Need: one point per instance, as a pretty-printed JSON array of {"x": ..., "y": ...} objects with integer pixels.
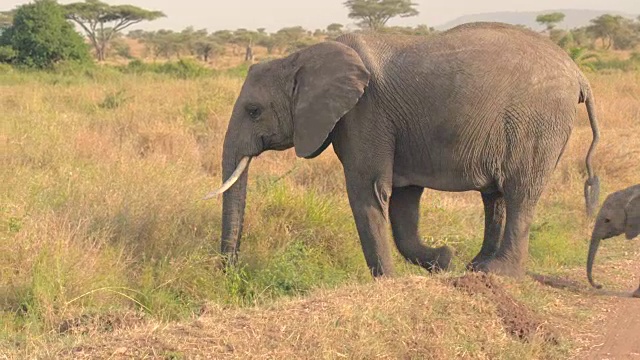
[{"x": 242, "y": 165}]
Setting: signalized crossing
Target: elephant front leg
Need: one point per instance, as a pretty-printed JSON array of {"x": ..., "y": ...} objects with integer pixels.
[
  {"x": 369, "y": 200},
  {"x": 636, "y": 294},
  {"x": 494, "y": 214},
  {"x": 404, "y": 213}
]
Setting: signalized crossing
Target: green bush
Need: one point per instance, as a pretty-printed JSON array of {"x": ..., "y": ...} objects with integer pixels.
[
  {"x": 41, "y": 36},
  {"x": 122, "y": 49},
  {"x": 114, "y": 100},
  {"x": 185, "y": 69},
  {"x": 631, "y": 64},
  {"x": 238, "y": 71},
  {"x": 7, "y": 54},
  {"x": 182, "y": 69}
]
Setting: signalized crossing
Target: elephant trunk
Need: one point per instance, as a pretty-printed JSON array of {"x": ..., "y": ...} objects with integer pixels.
[
  {"x": 593, "y": 248},
  {"x": 233, "y": 199}
]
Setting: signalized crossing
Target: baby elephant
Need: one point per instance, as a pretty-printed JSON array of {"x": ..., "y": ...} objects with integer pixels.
[{"x": 619, "y": 214}]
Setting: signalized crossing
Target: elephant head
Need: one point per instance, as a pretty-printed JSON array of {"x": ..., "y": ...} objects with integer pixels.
[
  {"x": 291, "y": 102},
  {"x": 619, "y": 214}
]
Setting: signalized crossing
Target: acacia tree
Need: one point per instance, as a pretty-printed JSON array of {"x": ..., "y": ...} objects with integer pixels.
[
  {"x": 101, "y": 21},
  {"x": 334, "y": 30},
  {"x": 207, "y": 46},
  {"x": 605, "y": 27},
  {"x": 162, "y": 43},
  {"x": 374, "y": 14},
  {"x": 245, "y": 38},
  {"x": 550, "y": 20},
  {"x": 290, "y": 38},
  {"x": 627, "y": 36},
  {"x": 201, "y": 44}
]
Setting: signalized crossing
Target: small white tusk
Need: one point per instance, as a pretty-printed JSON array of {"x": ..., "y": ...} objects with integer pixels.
[{"x": 242, "y": 165}]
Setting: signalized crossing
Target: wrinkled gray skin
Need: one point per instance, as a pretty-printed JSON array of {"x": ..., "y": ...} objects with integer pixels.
[
  {"x": 620, "y": 213},
  {"x": 485, "y": 107}
]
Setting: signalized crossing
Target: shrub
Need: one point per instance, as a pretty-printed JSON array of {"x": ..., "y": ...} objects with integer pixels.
[
  {"x": 617, "y": 64},
  {"x": 122, "y": 49},
  {"x": 41, "y": 36},
  {"x": 182, "y": 69},
  {"x": 7, "y": 54},
  {"x": 238, "y": 71}
]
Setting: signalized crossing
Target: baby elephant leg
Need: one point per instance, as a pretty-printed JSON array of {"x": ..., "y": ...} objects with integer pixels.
[{"x": 636, "y": 294}]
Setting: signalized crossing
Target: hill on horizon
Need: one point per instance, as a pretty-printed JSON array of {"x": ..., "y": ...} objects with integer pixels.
[{"x": 573, "y": 18}]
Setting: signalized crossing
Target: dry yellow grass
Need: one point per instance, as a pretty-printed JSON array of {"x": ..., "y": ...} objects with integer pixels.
[
  {"x": 411, "y": 318},
  {"x": 101, "y": 214},
  {"x": 414, "y": 317}
]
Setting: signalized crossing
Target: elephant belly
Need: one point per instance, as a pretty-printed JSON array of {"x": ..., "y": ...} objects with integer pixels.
[{"x": 448, "y": 178}]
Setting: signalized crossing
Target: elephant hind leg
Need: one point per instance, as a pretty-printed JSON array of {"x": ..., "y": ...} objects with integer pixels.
[
  {"x": 404, "y": 214},
  {"x": 636, "y": 294},
  {"x": 494, "y": 214},
  {"x": 520, "y": 201}
]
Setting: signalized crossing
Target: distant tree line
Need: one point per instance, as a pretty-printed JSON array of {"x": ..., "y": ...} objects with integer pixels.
[
  {"x": 610, "y": 31},
  {"x": 205, "y": 46},
  {"x": 54, "y": 38}
]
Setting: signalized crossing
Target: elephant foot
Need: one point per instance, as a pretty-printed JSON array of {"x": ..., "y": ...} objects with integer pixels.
[
  {"x": 500, "y": 266},
  {"x": 479, "y": 259},
  {"x": 636, "y": 294},
  {"x": 439, "y": 260}
]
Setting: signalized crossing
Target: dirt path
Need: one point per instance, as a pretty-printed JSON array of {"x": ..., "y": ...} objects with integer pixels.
[
  {"x": 614, "y": 332},
  {"x": 620, "y": 336},
  {"x": 618, "y": 331}
]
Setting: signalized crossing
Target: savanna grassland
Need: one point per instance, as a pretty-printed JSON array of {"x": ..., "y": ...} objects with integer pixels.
[{"x": 106, "y": 248}]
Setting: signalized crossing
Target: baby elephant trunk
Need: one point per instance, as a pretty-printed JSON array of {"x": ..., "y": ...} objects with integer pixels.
[{"x": 593, "y": 248}]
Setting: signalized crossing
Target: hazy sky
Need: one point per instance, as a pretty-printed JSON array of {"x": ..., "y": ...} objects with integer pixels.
[{"x": 314, "y": 14}]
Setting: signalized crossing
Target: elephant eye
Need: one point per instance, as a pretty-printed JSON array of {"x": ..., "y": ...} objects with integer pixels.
[
  {"x": 607, "y": 220},
  {"x": 254, "y": 111}
]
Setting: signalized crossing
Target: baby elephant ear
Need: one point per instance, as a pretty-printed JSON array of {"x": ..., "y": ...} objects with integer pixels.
[
  {"x": 329, "y": 81},
  {"x": 632, "y": 226}
]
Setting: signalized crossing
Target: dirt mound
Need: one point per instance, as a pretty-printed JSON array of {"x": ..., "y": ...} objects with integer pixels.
[
  {"x": 517, "y": 319},
  {"x": 412, "y": 317}
]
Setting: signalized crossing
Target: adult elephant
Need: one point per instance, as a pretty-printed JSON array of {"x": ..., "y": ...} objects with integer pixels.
[{"x": 484, "y": 106}]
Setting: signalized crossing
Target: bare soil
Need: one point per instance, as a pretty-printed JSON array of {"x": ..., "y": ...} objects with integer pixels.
[
  {"x": 518, "y": 319},
  {"x": 621, "y": 331}
]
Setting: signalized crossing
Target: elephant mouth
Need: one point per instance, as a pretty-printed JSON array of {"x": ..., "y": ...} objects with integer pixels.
[{"x": 273, "y": 143}]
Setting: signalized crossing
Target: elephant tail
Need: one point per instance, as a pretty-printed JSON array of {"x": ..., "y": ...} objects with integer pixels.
[{"x": 592, "y": 184}]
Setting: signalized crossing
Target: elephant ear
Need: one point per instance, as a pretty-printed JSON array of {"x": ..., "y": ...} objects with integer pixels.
[
  {"x": 632, "y": 226},
  {"x": 329, "y": 81}
]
